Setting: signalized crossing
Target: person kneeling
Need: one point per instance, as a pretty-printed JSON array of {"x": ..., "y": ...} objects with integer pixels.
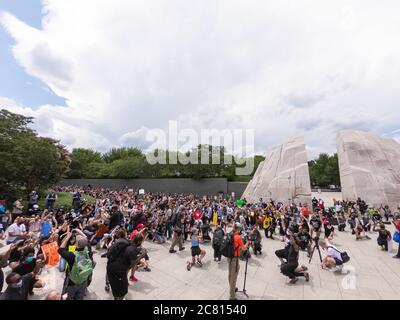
[
  {"x": 291, "y": 268},
  {"x": 196, "y": 251}
]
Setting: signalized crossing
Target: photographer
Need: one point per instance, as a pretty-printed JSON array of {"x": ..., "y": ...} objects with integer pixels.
[
  {"x": 233, "y": 263},
  {"x": 289, "y": 268},
  {"x": 333, "y": 259},
  {"x": 178, "y": 233},
  {"x": 305, "y": 240}
]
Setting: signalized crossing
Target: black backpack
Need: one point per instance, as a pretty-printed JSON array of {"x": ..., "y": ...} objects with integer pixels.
[
  {"x": 117, "y": 249},
  {"x": 227, "y": 247}
]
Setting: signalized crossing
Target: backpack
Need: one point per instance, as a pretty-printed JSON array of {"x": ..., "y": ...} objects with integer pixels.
[
  {"x": 82, "y": 267},
  {"x": 173, "y": 219},
  {"x": 344, "y": 255},
  {"x": 116, "y": 250},
  {"x": 227, "y": 247}
]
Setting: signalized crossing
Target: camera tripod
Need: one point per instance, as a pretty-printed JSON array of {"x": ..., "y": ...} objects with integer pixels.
[
  {"x": 316, "y": 246},
  {"x": 244, "y": 291}
]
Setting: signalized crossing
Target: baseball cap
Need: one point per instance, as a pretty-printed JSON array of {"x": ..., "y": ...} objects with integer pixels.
[{"x": 140, "y": 226}]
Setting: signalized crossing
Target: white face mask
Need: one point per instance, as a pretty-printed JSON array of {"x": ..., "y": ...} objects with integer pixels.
[{"x": 16, "y": 285}]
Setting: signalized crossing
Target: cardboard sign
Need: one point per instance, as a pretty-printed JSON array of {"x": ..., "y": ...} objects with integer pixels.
[
  {"x": 141, "y": 191},
  {"x": 51, "y": 250}
]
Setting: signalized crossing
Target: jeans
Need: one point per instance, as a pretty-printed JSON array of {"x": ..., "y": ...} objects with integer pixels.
[
  {"x": 62, "y": 264},
  {"x": 169, "y": 230},
  {"x": 217, "y": 252}
]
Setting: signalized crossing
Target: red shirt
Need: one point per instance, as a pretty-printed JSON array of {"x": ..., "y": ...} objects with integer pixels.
[{"x": 237, "y": 244}]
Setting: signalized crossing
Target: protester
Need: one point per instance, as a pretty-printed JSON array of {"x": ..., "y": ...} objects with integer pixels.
[{"x": 80, "y": 264}]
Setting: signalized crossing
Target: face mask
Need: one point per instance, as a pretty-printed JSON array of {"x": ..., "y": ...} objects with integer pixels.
[
  {"x": 29, "y": 259},
  {"x": 16, "y": 285}
]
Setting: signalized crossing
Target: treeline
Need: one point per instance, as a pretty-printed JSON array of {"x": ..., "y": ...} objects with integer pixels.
[
  {"x": 324, "y": 171},
  {"x": 126, "y": 163}
]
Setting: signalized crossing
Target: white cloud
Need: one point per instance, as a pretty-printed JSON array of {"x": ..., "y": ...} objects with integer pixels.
[{"x": 283, "y": 68}]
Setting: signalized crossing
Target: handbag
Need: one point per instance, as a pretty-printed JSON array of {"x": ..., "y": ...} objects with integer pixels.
[{"x": 396, "y": 237}]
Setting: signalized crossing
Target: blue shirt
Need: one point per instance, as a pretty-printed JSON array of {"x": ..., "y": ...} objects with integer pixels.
[
  {"x": 195, "y": 243},
  {"x": 46, "y": 229}
]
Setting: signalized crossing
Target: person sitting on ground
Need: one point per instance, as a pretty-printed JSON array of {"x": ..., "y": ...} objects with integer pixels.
[
  {"x": 29, "y": 264},
  {"x": 384, "y": 237},
  {"x": 17, "y": 231},
  {"x": 18, "y": 286},
  {"x": 196, "y": 251}
]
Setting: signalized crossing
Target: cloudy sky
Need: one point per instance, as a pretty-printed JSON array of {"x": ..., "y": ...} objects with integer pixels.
[{"x": 101, "y": 73}]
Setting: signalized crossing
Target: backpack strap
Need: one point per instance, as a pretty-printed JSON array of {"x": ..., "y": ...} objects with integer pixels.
[{"x": 335, "y": 249}]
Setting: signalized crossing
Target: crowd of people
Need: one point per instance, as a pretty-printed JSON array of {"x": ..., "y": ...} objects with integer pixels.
[{"x": 120, "y": 223}]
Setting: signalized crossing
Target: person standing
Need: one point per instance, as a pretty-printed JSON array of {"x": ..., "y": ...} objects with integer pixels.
[
  {"x": 33, "y": 200},
  {"x": 80, "y": 264},
  {"x": 121, "y": 256},
  {"x": 178, "y": 233},
  {"x": 217, "y": 242},
  {"x": 17, "y": 209},
  {"x": 51, "y": 200},
  {"x": 233, "y": 263}
]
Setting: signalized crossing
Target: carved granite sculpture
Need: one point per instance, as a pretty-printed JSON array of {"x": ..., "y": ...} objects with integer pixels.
[
  {"x": 369, "y": 168},
  {"x": 283, "y": 175}
]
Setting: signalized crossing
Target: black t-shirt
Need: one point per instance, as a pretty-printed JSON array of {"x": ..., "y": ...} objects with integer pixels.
[
  {"x": 316, "y": 223},
  {"x": 24, "y": 268},
  {"x": 124, "y": 262}
]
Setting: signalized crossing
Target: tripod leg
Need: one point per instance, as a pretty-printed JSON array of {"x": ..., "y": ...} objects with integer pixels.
[{"x": 311, "y": 254}]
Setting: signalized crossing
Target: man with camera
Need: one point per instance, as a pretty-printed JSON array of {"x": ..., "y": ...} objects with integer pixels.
[
  {"x": 233, "y": 263},
  {"x": 290, "y": 268}
]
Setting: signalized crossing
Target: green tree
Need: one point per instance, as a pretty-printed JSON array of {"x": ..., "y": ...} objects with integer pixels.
[
  {"x": 81, "y": 159},
  {"x": 27, "y": 161},
  {"x": 324, "y": 170},
  {"x": 121, "y": 153}
]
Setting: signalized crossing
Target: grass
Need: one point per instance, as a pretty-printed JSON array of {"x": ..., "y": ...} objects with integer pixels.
[{"x": 64, "y": 200}]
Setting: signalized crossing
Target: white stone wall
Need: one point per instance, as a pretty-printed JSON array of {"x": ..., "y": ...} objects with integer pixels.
[
  {"x": 283, "y": 175},
  {"x": 369, "y": 168}
]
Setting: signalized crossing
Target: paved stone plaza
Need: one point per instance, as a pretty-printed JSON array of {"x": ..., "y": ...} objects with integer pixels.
[{"x": 373, "y": 274}]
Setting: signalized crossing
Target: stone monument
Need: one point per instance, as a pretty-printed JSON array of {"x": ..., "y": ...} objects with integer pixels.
[
  {"x": 283, "y": 175},
  {"x": 369, "y": 168}
]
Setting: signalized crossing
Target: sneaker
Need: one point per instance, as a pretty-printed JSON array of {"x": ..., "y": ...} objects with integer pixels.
[
  {"x": 199, "y": 263},
  {"x": 307, "y": 276},
  {"x": 396, "y": 257},
  {"x": 334, "y": 269},
  {"x": 147, "y": 269},
  {"x": 107, "y": 288},
  {"x": 133, "y": 278},
  {"x": 189, "y": 266},
  {"x": 293, "y": 281},
  {"x": 172, "y": 251},
  {"x": 180, "y": 249}
]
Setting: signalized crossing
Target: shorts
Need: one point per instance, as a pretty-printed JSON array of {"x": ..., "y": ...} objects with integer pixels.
[
  {"x": 195, "y": 251},
  {"x": 338, "y": 262}
]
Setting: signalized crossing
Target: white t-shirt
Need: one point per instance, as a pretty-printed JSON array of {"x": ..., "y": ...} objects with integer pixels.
[
  {"x": 333, "y": 252},
  {"x": 14, "y": 228}
]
